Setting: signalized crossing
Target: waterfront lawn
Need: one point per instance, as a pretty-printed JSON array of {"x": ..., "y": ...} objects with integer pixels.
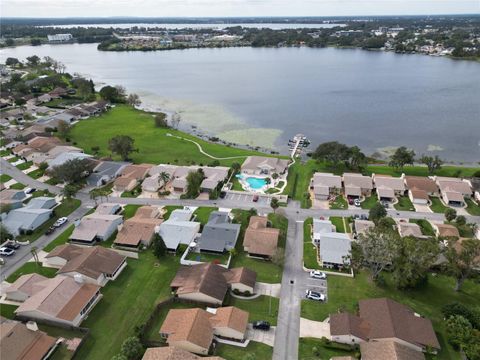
[
  {"x": 338, "y": 222},
  {"x": 32, "y": 267},
  {"x": 153, "y": 144},
  {"x": 472, "y": 207},
  {"x": 261, "y": 308},
  {"x": 370, "y": 201},
  {"x": 344, "y": 293},
  {"x": 7, "y": 311},
  {"x": 339, "y": 203},
  {"x": 127, "y": 302},
  {"x": 307, "y": 345},
  {"x": 4, "y": 178},
  {"x": 425, "y": 225},
  {"x": 254, "y": 350},
  {"x": 130, "y": 210},
  {"x": 60, "y": 239},
  {"x": 404, "y": 204},
  {"x": 437, "y": 205},
  {"x": 203, "y": 213},
  {"x": 17, "y": 186}
]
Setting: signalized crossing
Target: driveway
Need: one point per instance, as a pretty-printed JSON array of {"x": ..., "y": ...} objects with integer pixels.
[
  {"x": 266, "y": 337},
  {"x": 422, "y": 208},
  {"x": 315, "y": 329},
  {"x": 268, "y": 289}
]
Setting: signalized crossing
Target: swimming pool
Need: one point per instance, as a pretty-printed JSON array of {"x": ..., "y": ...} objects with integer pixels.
[{"x": 254, "y": 182}]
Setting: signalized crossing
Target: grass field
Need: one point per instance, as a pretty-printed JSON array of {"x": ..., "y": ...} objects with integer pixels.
[
  {"x": 32, "y": 267},
  {"x": 307, "y": 345},
  {"x": 437, "y": 205},
  {"x": 425, "y": 225},
  {"x": 203, "y": 213},
  {"x": 404, "y": 204},
  {"x": 4, "y": 178},
  {"x": 338, "y": 222},
  {"x": 60, "y": 239},
  {"x": 25, "y": 165},
  {"x": 7, "y": 311},
  {"x": 17, "y": 186},
  {"x": 344, "y": 293},
  {"x": 309, "y": 250},
  {"x": 370, "y": 201},
  {"x": 153, "y": 144},
  {"x": 35, "y": 174},
  {"x": 261, "y": 308},
  {"x": 130, "y": 210},
  {"x": 254, "y": 350}
]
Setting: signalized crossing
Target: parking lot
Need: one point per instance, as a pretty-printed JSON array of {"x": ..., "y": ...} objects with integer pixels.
[
  {"x": 248, "y": 198},
  {"x": 308, "y": 283}
]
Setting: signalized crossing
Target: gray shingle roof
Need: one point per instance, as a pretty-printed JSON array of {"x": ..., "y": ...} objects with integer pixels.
[{"x": 219, "y": 234}]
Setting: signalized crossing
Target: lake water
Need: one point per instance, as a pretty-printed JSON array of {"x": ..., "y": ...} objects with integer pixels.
[{"x": 264, "y": 96}]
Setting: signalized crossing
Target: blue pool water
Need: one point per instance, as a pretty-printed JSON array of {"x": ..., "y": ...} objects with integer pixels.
[{"x": 253, "y": 182}]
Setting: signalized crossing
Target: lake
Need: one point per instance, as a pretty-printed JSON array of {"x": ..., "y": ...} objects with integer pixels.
[{"x": 264, "y": 96}]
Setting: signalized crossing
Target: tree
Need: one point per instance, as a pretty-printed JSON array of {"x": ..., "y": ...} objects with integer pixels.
[
  {"x": 377, "y": 212},
  {"x": 63, "y": 128},
  {"x": 194, "y": 181},
  {"x": 402, "y": 157},
  {"x": 462, "y": 258},
  {"x": 235, "y": 167},
  {"x": 433, "y": 163},
  {"x": 176, "y": 120},
  {"x": 356, "y": 158},
  {"x": 112, "y": 94},
  {"x": 379, "y": 247},
  {"x": 274, "y": 204},
  {"x": 458, "y": 331},
  {"x": 4, "y": 233},
  {"x": 121, "y": 145},
  {"x": 332, "y": 152},
  {"x": 33, "y": 60},
  {"x": 456, "y": 308},
  {"x": 43, "y": 166},
  {"x": 133, "y": 100},
  {"x": 132, "y": 348},
  {"x": 450, "y": 214},
  {"x": 33, "y": 251},
  {"x": 461, "y": 220},
  {"x": 12, "y": 62},
  {"x": 412, "y": 261},
  {"x": 69, "y": 191},
  {"x": 159, "y": 248},
  {"x": 161, "y": 120},
  {"x": 163, "y": 179},
  {"x": 85, "y": 88},
  {"x": 72, "y": 171}
]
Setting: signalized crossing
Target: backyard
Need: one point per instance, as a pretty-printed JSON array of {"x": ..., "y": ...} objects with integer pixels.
[{"x": 344, "y": 293}]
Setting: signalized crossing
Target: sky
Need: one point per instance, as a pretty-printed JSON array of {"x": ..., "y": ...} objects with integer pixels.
[{"x": 227, "y": 8}]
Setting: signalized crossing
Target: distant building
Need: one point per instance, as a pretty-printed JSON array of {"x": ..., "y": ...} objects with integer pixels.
[{"x": 59, "y": 37}]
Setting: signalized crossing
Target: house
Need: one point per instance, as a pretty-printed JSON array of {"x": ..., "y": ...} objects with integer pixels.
[
  {"x": 219, "y": 234},
  {"x": 95, "y": 227},
  {"x": 51, "y": 154},
  {"x": 64, "y": 157},
  {"x": 208, "y": 283},
  {"x": 130, "y": 176},
  {"x": 173, "y": 353},
  {"x": 388, "y": 188},
  {"x": 384, "y": 320},
  {"x": 420, "y": 189},
  {"x": 321, "y": 227},
  {"x": 61, "y": 300},
  {"x": 140, "y": 229},
  {"x": 446, "y": 230},
  {"x": 410, "y": 229},
  {"x": 37, "y": 145},
  {"x": 388, "y": 350},
  {"x": 23, "y": 287},
  {"x": 260, "y": 240},
  {"x": 108, "y": 209},
  {"x": 65, "y": 116},
  {"x": 24, "y": 342},
  {"x": 29, "y": 217},
  {"x": 357, "y": 185},
  {"x": 453, "y": 190},
  {"x": 262, "y": 165},
  {"x": 178, "y": 229},
  {"x": 12, "y": 199},
  {"x": 193, "y": 330},
  {"x": 105, "y": 172},
  {"x": 95, "y": 265},
  {"x": 334, "y": 250},
  {"x": 362, "y": 226},
  {"x": 57, "y": 93},
  {"x": 324, "y": 185}
]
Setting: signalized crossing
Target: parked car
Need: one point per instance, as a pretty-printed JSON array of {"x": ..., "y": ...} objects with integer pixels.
[
  {"x": 350, "y": 201},
  {"x": 364, "y": 217},
  {"x": 6, "y": 251},
  {"x": 29, "y": 190},
  {"x": 60, "y": 222},
  {"x": 223, "y": 194},
  {"x": 356, "y": 202},
  {"x": 50, "y": 230},
  {"x": 261, "y": 325},
  {"x": 317, "y": 274},
  {"x": 12, "y": 245},
  {"x": 313, "y": 295},
  {"x": 255, "y": 198}
]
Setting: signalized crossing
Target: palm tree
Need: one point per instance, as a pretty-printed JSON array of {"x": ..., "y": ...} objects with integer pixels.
[
  {"x": 163, "y": 178},
  {"x": 33, "y": 251}
]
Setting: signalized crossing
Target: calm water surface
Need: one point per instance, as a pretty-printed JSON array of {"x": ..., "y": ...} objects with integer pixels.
[{"x": 372, "y": 99}]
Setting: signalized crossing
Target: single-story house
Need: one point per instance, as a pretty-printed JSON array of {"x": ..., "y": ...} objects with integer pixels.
[
  {"x": 174, "y": 353},
  {"x": 362, "y": 226},
  {"x": 140, "y": 229},
  {"x": 11, "y": 198},
  {"x": 65, "y": 116},
  {"x": 446, "y": 230},
  {"x": 208, "y": 283},
  {"x": 95, "y": 265},
  {"x": 335, "y": 250},
  {"x": 325, "y": 184},
  {"x": 454, "y": 190},
  {"x": 64, "y": 157},
  {"x": 131, "y": 176},
  {"x": 105, "y": 172},
  {"x": 420, "y": 189},
  {"x": 108, "y": 209},
  {"x": 376, "y": 350},
  {"x": 23, "y": 287},
  {"x": 178, "y": 229},
  {"x": 219, "y": 234},
  {"x": 61, "y": 300},
  {"x": 381, "y": 320},
  {"x": 357, "y": 185},
  {"x": 321, "y": 227},
  {"x": 410, "y": 229},
  {"x": 260, "y": 240},
  {"x": 95, "y": 227},
  {"x": 388, "y": 188},
  {"x": 24, "y": 342},
  {"x": 51, "y": 154},
  {"x": 262, "y": 165},
  {"x": 29, "y": 217}
]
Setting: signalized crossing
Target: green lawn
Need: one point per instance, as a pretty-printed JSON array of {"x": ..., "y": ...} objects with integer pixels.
[
  {"x": 437, "y": 205},
  {"x": 339, "y": 203},
  {"x": 338, "y": 222},
  {"x": 472, "y": 207},
  {"x": 309, "y": 250},
  {"x": 32, "y": 267},
  {"x": 344, "y": 293},
  {"x": 25, "y": 165},
  {"x": 127, "y": 302},
  {"x": 404, "y": 204},
  {"x": 203, "y": 213},
  {"x": 4, "y": 178},
  {"x": 5, "y": 152},
  {"x": 13, "y": 159},
  {"x": 7, "y": 311},
  {"x": 130, "y": 210},
  {"x": 134, "y": 193},
  {"x": 17, "y": 186},
  {"x": 307, "y": 345},
  {"x": 36, "y": 173},
  {"x": 236, "y": 184},
  {"x": 204, "y": 257},
  {"x": 370, "y": 201},
  {"x": 154, "y": 146},
  {"x": 261, "y": 308},
  {"x": 64, "y": 209},
  {"x": 425, "y": 225},
  {"x": 254, "y": 350},
  {"x": 60, "y": 239},
  {"x": 169, "y": 210}
]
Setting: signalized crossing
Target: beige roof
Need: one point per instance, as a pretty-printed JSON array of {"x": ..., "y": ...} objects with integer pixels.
[
  {"x": 454, "y": 185},
  {"x": 60, "y": 297},
  {"x": 230, "y": 317},
  {"x": 26, "y": 284},
  {"x": 357, "y": 180},
  {"x": 173, "y": 353},
  {"x": 419, "y": 194},
  {"x": 17, "y": 342},
  {"x": 94, "y": 224},
  {"x": 421, "y": 183},
  {"x": 139, "y": 228},
  {"x": 323, "y": 182},
  {"x": 43, "y": 144},
  {"x": 262, "y": 162},
  {"x": 409, "y": 229},
  {"x": 89, "y": 261},
  {"x": 396, "y": 184},
  {"x": 385, "y": 192},
  {"x": 259, "y": 238},
  {"x": 452, "y": 196},
  {"x": 447, "y": 230},
  {"x": 388, "y": 350},
  {"x": 361, "y": 226},
  {"x": 192, "y": 325},
  {"x": 137, "y": 172}
]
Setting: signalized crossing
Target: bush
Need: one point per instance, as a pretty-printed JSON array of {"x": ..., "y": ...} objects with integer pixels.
[{"x": 161, "y": 120}]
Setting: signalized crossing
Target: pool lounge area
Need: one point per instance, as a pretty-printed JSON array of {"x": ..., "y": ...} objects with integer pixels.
[{"x": 255, "y": 183}]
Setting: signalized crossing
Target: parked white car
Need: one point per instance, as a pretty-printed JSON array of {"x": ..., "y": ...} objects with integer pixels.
[
  {"x": 317, "y": 274},
  {"x": 6, "y": 251},
  {"x": 313, "y": 295},
  {"x": 60, "y": 222}
]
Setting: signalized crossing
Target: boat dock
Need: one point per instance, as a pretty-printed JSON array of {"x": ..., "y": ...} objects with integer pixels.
[{"x": 297, "y": 144}]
